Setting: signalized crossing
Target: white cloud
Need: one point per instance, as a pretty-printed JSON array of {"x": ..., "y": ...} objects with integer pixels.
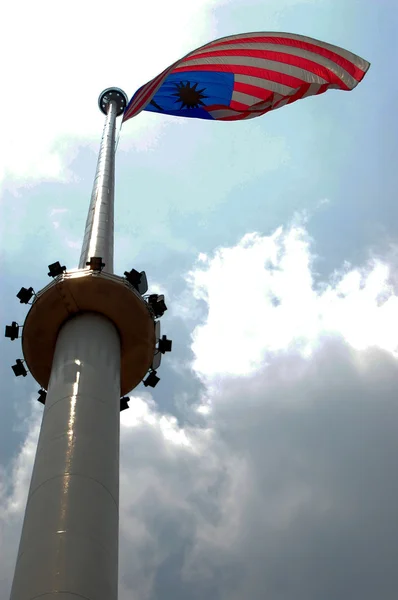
[
  {"x": 14, "y": 484},
  {"x": 142, "y": 412},
  {"x": 61, "y": 56},
  {"x": 55, "y": 215},
  {"x": 262, "y": 299}
]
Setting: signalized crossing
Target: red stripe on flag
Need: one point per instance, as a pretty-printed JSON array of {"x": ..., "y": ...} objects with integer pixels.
[
  {"x": 275, "y": 76},
  {"x": 296, "y": 96},
  {"x": 287, "y": 59},
  {"x": 252, "y": 90},
  {"x": 235, "y": 105},
  {"x": 346, "y": 64},
  {"x": 140, "y": 103},
  {"x": 322, "y": 89},
  {"x": 299, "y": 94}
]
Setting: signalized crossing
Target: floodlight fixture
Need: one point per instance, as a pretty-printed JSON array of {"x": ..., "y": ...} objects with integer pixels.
[
  {"x": 137, "y": 280},
  {"x": 133, "y": 277},
  {"x": 165, "y": 345},
  {"x": 42, "y": 396},
  {"x": 152, "y": 380},
  {"x": 55, "y": 269},
  {"x": 95, "y": 263},
  {"x": 157, "y": 304},
  {"x": 124, "y": 403},
  {"x": 25, "y": 294},
  {"x": 19, "y": 368},
  {"x": 12, "y": 331}
]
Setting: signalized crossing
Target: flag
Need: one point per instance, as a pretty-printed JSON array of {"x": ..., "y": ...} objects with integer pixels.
[{"x": 247, "y": 75}]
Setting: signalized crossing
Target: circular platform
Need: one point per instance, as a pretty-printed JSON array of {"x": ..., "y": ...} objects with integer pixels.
[
  {"x": 90, "y": 291},
  {"x": 116, "y": 95}
]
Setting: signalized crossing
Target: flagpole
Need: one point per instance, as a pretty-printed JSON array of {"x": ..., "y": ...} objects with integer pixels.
[
  {"x": 98, "y": 235},
  {"x": 89, "y": 338}
]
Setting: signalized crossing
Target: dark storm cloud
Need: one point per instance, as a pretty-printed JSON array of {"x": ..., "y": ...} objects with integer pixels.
[{"x": 293, "y": 497}]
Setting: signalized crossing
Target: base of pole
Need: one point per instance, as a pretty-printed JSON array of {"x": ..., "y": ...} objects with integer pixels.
[{"x": 69, "y": 542}]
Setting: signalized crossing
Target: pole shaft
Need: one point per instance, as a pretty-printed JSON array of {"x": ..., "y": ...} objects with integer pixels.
[
  {"x": 69, "y": 542},
  {"x": 98, "y": 235}
]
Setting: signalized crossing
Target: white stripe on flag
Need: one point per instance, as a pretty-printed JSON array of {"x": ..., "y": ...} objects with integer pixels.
[{"x": 247, "y": 99}]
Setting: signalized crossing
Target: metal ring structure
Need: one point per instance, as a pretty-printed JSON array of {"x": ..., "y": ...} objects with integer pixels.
[
  {"x": 113, "y": 94},
  {"x": 80, "y": 291}
]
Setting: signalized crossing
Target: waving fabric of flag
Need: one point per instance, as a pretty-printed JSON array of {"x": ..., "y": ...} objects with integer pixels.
[{"x": 246, "y": 75}]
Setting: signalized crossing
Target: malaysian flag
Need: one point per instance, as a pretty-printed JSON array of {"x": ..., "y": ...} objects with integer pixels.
[{"x": 246, "y": 75}]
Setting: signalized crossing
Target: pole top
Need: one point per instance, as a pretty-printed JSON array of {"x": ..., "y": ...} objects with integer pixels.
[{"x": 113, "y": 94}]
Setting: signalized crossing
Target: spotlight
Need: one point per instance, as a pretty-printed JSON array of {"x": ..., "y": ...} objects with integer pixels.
[
  {"x": 12, "y": 331},
  {"x": 158, "y": 304},
  {"x": 152, "y": 380},
  {"x": 42, "y": 396},
  {"x": 19, "y": 369},
  {"x": 138, "y": 280},
  {"x": 55, "y": 269},
  {"x": 164, "y": 345},
  {"x": 25, "y": 294},
  {"x": 124, "y": 403},
  {"x": 133, "y": 277},
  {"x": 95, "y": 263}
]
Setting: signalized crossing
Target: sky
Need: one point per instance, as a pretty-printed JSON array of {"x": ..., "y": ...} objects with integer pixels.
[{"x": 263, "y": 465}]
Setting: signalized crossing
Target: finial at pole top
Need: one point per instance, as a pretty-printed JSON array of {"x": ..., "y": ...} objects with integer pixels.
[{"x": 113, "y": 94}]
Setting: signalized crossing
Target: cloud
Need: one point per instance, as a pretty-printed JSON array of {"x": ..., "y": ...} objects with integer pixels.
[
  {"x": 55, "y": 214},
  {"x": 285, "y": 486},
  {"x": 61, "y": 57},
  {"x": 263, "y": 300},
  {"x": 293, "y": 495},
  {"x": 14, "y": 483}
]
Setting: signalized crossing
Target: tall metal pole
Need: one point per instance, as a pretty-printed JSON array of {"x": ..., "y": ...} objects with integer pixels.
[
  {"x": 89, "y": 338},
  {"x": 98, "y": 236},
  {"x": 69, "y": 542}
]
